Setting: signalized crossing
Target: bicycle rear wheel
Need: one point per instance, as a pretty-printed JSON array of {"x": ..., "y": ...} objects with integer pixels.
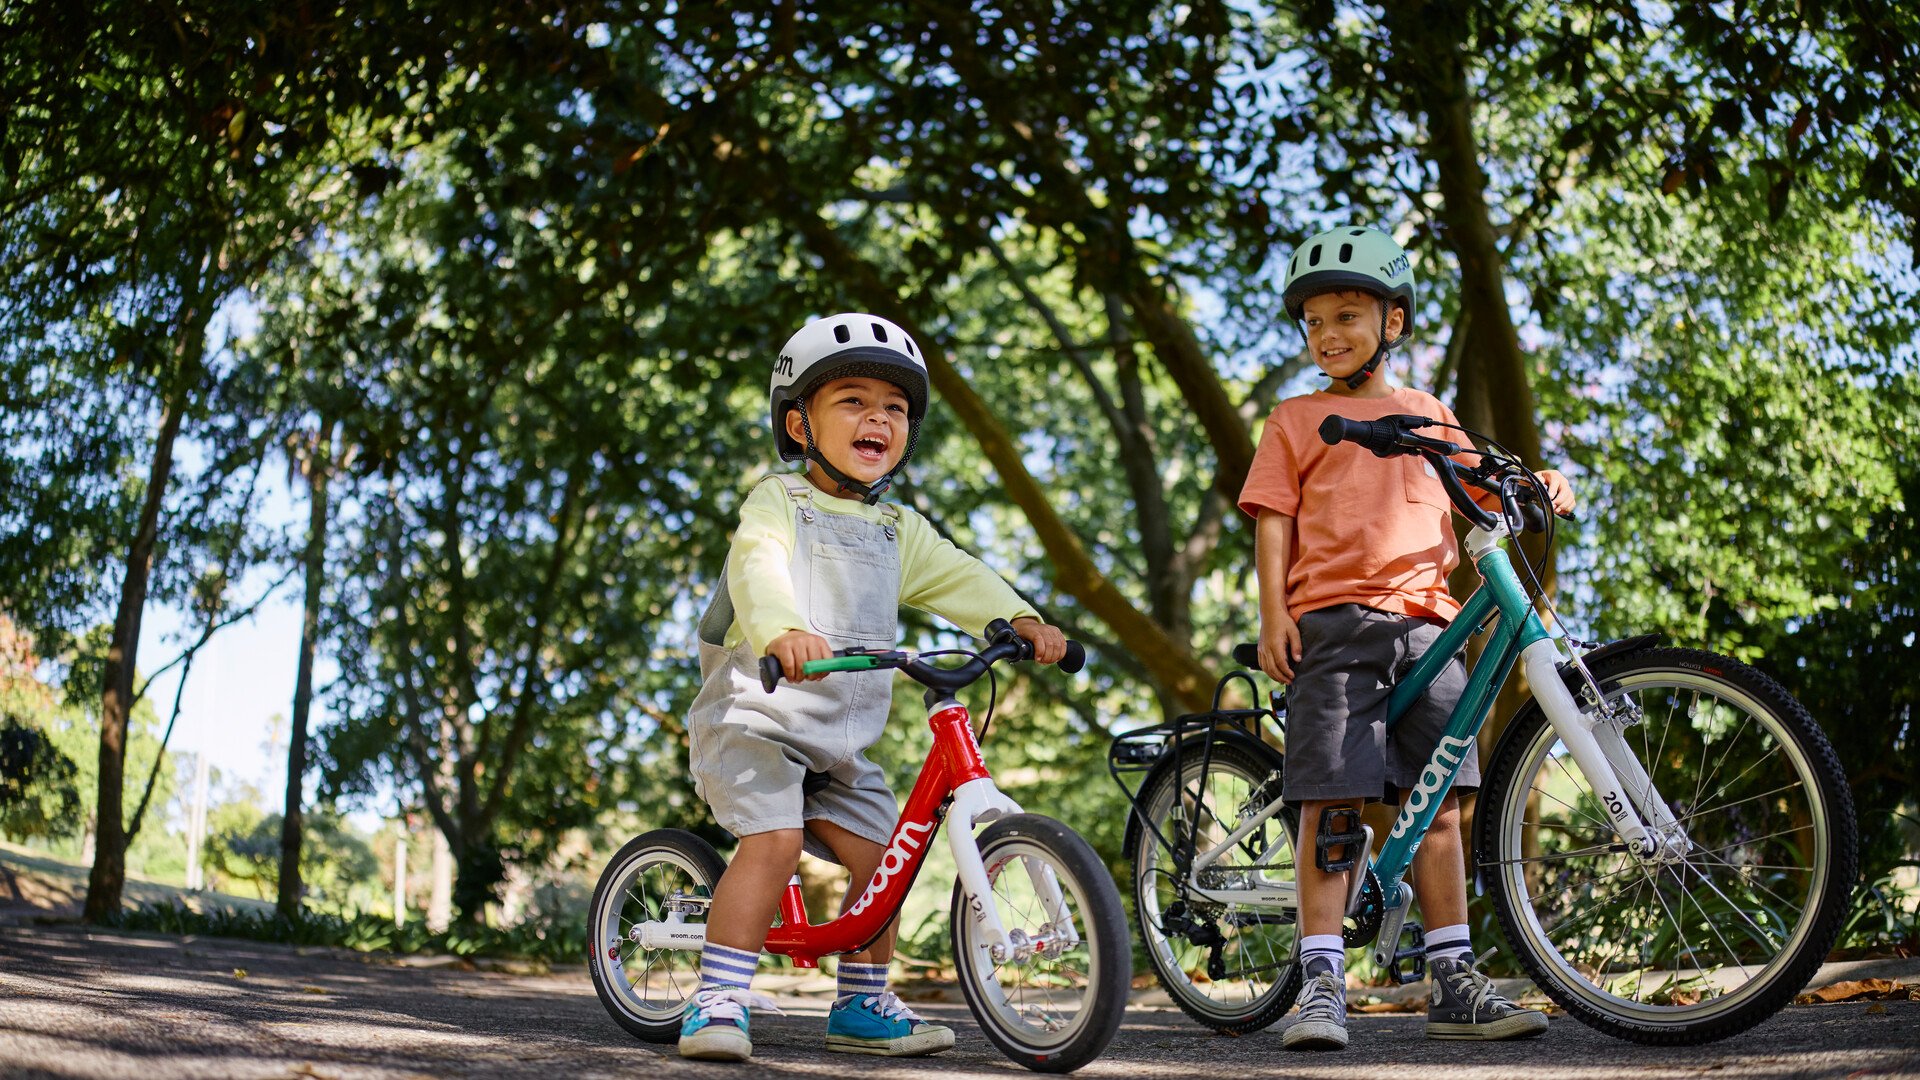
[
  {"x": 1054, "y": 1001},
  {"x": 1714, "y": 941},
  {"x": 661, "y": 876},
  {"x": 1228, "y": 966}
]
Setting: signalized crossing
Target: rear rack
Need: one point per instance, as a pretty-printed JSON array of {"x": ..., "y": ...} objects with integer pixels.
[{"x": 1143, "y": 749}]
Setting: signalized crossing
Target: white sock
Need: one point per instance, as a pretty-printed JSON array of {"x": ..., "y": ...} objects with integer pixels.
[
  {"x": 861, "y": 979},
  {"x": 1324, "y": 950},
  {"x": 721, "y": 966},
  {"x": 1450, "y": 943}
]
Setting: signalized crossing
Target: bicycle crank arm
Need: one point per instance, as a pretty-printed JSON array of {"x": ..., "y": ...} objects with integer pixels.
[
  {"x": 1387, "y": 943},
  {"x": 1361, "y": 868}
]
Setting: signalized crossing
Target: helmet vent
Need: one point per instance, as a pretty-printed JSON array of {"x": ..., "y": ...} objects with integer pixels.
[
  {"x": 1313, "y": 255},
  {"x": 1346, "y": 253},
  {"x": 879, "y": 332},
  {"x": 911, "y": 351},
  {"x": 1357, "y": 232},
  {"x": 841, "y": 334}
]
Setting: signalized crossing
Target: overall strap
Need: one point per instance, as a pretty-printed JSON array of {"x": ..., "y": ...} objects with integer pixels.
[
  {"x": 718, "y": 617},
  {"x": 798, "y": 489},
  {"x": 799, "y": 492}
]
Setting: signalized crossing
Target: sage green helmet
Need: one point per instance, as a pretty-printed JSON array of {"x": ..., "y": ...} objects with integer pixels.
[{"x": 1351, "y": 257}]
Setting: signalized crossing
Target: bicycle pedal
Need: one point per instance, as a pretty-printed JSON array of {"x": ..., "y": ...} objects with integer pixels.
[
  {"x": 1339, "y": 828},
  {"x": 1413, "y": 953}
]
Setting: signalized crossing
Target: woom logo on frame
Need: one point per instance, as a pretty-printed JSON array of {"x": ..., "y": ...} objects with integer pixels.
[
  {"x": 1450, "y": 751},
  {"x": 899, "y": 853}
]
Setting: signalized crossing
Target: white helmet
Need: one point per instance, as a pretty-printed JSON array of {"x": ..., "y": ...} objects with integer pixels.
[{"x": 849, "y": 345}]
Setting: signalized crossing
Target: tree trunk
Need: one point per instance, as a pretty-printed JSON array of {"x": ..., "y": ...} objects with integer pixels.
[
  {"x": 318, "y": 466},
  {"x": 109, "y": 873},
  {"x": 1495, "y": 392}
]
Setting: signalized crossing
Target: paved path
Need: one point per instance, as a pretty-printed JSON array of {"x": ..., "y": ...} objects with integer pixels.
[{"x": 78, "y": 1004}]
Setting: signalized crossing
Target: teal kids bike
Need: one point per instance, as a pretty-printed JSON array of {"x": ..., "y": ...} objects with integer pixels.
[{"x": 1667, "y": 836}]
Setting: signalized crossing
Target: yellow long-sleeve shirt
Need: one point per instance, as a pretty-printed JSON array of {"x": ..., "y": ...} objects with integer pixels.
[{"x": 935, "y": 576}]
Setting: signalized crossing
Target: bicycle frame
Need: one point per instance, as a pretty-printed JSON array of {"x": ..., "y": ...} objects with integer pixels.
[
  {"x": 1518, "y": 637},
  {"x": 954, "y": 780}
]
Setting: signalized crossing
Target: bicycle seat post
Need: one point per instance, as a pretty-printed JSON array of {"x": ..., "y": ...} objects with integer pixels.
[{"x": 793, "y": 911}]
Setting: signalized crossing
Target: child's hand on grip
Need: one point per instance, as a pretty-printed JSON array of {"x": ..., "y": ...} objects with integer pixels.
[{"x": 796, "y": 647}]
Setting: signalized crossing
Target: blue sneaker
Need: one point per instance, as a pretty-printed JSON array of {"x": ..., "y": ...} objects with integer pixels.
[
  {"x": 714, "y": 1025},
  {"x": 880, "y": 1024}
]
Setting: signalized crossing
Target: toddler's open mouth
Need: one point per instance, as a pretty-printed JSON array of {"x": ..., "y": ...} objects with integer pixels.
[{"x": 870, "y": 447}]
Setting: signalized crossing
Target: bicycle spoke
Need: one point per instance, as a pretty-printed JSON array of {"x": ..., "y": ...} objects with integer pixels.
[
  {"x": 1578, "y": 785},
  {"x": 1578, "y": 853},
  {"x": 1735, "y": 908},
  {"x": 1723, "y": 807},
  {"x": 1781, "y": 900},
  {"x": 1708, "y": 782}
]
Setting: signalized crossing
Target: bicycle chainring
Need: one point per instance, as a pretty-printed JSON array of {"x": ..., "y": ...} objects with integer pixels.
[{"x": 1363, "y": 922}]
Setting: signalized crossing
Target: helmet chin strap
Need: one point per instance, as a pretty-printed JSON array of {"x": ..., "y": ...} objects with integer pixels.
[{"x": 866, "y": 493}]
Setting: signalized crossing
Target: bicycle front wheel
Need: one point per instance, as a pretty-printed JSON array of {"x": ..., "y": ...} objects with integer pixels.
[
  {"x": 1053, "y": 998},
  {"x": 1227, "y": 965},
  {"x": 1706, "y": 944}
]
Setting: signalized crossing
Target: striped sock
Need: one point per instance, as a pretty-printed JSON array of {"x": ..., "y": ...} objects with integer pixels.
[
  {"x": 721, "y": 966},
  {"x": 1318, "y": 951},
  {"x": 1450, "y": 943},
  {"x": 862, "y": 978}
]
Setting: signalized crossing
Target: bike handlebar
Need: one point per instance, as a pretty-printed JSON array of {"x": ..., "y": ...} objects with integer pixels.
[
  {"x": 1391, "y": 435},
  {"x": 1006, "y": 645}
]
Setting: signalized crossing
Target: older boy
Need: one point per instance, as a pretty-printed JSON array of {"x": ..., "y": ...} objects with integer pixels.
[{"x": 1352, "y": 553}]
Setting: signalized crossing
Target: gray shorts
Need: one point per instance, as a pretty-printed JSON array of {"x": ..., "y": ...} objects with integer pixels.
[
  {"x": 1338, "y": 743},
  {"x": 750, "y": 750}
]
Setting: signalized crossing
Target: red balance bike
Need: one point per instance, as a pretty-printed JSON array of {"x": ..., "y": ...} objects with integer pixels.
[{"x": 1039, "y": 937}]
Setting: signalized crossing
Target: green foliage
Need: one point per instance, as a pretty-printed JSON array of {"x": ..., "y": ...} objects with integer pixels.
[
  {"x": 562, "y": 940},
  {"x": 38, "y": 796},
  {"x": 531, "y": 265}
]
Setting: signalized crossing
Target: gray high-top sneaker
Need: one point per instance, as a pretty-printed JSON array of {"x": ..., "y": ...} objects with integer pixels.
[
  {"x": 1322, "y": 1021},
  {"x": 1464, "y": 1005}
]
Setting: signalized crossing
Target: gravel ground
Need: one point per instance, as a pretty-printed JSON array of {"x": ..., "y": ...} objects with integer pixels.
[{"x": 77, "y": 1003}]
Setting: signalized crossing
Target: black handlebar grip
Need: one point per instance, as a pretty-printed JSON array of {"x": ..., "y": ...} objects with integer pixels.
[
  {"x": 1533, "y": 516},
  {"x": 770, "y": 672},
  {"x": 1247, "y": 654},
  {"x": 1379, "y": 436},
  {"x": 1075, "y": 659}
]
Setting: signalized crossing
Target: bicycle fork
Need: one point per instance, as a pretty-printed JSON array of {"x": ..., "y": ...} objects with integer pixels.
[
  {"x": 978, "y": 802},
  {"x": 1618, "y": 779}
]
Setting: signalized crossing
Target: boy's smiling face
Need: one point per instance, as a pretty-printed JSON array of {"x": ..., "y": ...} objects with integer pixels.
[
  {"x": 859, "y": 424},
  {"x": 1343, "y": 329}
]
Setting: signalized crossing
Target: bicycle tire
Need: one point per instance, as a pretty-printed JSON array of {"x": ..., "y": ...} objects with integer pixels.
[
  {"x": 1746, "y": 830},
  {"x": 688, "y": 864},
  {"x": 1077, "y": 1024},
  {"x": 1170, "y": 961}
]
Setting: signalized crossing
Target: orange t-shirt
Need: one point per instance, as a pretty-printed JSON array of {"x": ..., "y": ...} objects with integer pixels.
[{"x": 1367, "y": 530}]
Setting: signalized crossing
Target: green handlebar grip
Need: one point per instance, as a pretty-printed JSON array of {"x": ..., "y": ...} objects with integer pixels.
[{"x": 839, "y": 663}]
